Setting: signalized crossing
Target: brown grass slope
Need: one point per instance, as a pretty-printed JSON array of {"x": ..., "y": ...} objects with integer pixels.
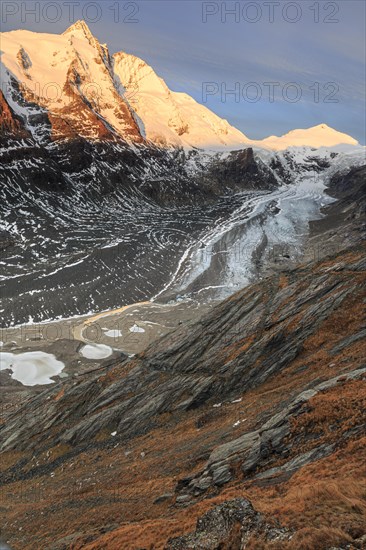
[{"x": 278, "y": 364}]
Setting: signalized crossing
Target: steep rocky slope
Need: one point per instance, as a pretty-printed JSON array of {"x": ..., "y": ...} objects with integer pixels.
[
  {"x": 11, "y": 125},
  {"x": 344, "y": 222},
  {"x": 259, "y": 400}
]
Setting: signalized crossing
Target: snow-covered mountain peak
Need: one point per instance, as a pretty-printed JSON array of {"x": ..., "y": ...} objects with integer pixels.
[
  {"x": 317, "y": 136},
  {"x": 70, "y": 76},
  {"x": 74, "y": 81},
  {"x": 322, "y": 126},
  {"x": 171, "y": 118},
  {"x": 135, "y": 72},
  {"x": 81, "y": 29}
]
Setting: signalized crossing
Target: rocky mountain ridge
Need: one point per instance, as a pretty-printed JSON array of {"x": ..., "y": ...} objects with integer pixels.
[{"x": 79, "y": 89}]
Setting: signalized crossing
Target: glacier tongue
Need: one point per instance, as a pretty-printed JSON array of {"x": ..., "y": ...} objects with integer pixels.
[{"x": 95, "y": 245}]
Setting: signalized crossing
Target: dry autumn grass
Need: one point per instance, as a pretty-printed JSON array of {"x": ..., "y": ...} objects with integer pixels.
[
  {"x": 323, "y": 502},
  {"x": 109, "y": 495}
]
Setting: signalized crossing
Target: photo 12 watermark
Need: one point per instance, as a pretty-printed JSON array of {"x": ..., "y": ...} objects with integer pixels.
[
  {"x": 253, "y": 92},
  {"x": 54, "y": 12},
  {"x": 270, "y": 12}
]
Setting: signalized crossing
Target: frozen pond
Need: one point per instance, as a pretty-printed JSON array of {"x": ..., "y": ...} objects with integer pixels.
[
  {"x": 96, "y": 351},
  {"x": 113, "y": 333},
  {"x": 32, "y": 368},
  {"x": 136, "y": 328}
]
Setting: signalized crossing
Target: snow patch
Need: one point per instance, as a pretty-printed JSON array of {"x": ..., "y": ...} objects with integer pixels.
[
  {"x": 113, "y": 333},
  {"x": 31, "y": 368},
  {"x": 96, "y": 351},
  {"x": 136, "y": 328}
]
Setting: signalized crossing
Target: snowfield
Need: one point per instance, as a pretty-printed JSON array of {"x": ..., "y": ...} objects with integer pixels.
[
  {"x": 96, "y": 351},
  {"x": 31, "y": 368}
]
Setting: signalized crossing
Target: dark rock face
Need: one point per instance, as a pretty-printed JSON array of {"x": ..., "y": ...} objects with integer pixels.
[
  {"x": 162, "y": 176},
  {"x": 253, "y": 449},
  {"x": 10, "y": 123},
  {"x": 344, "y": 223},
  {"x": 228, "y": 526},
  {"x": 350, "y": 190},
  {"x": 239, "y": 171},
  {"x": 6, "y": 239}
]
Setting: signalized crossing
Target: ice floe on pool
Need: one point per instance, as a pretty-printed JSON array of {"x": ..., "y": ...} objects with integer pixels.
[
  {"x": 96, "y": 351},
  {"x": 136, "y": 328},
  {"x": 31, "y": 368},
  {"x": 113, "y": 333}
]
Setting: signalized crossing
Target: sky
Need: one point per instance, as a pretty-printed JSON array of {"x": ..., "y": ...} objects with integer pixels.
[{"x": 266, "y": 66}]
